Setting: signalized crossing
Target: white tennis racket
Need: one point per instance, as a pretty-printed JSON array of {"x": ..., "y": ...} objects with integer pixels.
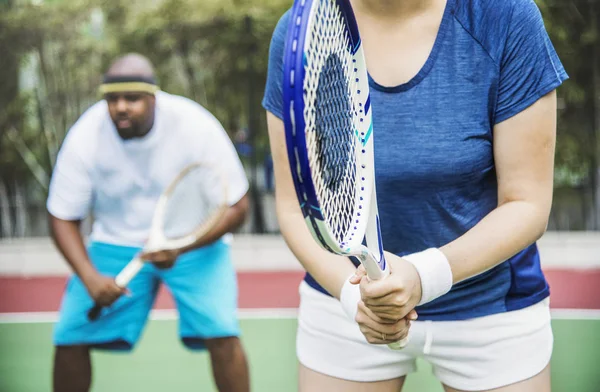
[
  {"x": 188, "y": 208},
  {"x": 329, "y": 132}
]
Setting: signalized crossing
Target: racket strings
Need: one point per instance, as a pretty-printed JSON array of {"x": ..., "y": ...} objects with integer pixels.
[
  {"x": 330, "y": 133},
  {"x": 193, "y": 201}
]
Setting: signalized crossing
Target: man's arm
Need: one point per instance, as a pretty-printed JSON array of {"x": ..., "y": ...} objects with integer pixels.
[
  {"x": 222, "y": 151},
  {"x": 233, "y": 218},
  {"x": 67, "y": 237},
  {"x": 69, "y": 200}
]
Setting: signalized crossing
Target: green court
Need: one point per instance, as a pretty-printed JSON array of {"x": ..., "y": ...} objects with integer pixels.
[{"x": 161, "y": 363}]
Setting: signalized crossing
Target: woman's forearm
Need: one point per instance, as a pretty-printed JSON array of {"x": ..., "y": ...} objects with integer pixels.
[
  {"x": 504, "y": 232},
  {"x": 328, "y": 269},
  {"x": 524, "y": 159}
]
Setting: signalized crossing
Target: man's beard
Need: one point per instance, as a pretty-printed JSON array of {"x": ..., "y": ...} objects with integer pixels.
[{"x": 129, "y": 132}]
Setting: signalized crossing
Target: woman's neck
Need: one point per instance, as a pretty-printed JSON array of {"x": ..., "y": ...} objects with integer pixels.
[{"x": 393, "y": 9}]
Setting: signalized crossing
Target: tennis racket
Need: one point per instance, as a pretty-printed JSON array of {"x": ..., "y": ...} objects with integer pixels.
[
  {"x": 188, "y": 208},
  {"x": 329, "y": 132}
]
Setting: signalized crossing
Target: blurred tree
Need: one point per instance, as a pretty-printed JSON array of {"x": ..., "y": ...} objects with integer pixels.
[
  {"x": 215, "y": 52},
  {"x": 9, "y": 90},
  {"x": 56, "y": 73},
  {"x": 573, "y": 28},
  {"x": 59, "y": 49},
  {"x": 54, "y": 52}
]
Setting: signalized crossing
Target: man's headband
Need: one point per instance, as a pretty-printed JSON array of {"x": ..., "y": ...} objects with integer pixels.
[{"x": 121, "y": 84}]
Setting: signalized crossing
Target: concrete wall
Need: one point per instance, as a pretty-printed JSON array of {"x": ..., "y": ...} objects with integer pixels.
[{"x": 31, "y": 257}]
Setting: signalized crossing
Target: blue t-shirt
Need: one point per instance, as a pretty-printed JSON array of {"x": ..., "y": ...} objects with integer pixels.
[{"x": 434, "y": 161}]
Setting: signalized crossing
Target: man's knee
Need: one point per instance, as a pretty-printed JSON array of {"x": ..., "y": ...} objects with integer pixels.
[
  {"x": 225, "y": 345},
  {"x": 72, "y": 351}
]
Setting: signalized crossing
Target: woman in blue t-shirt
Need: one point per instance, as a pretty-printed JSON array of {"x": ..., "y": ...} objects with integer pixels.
[{"x": 464, "y": 113}]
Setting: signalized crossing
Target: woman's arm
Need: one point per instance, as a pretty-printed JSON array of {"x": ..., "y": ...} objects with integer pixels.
[
  {"x": 331, "y": 271},
  {"x": 524, "y": 158}
]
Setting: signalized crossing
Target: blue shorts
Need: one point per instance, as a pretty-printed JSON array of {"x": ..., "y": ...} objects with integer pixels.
[{"x": 203, "y": 284}]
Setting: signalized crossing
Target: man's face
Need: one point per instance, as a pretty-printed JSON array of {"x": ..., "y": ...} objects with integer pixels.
[{"x": 131, "y": 112}]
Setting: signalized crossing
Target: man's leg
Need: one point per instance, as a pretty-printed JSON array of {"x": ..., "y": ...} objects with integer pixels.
[
  {"x": 118, "y": 327},
  {"x": 72, "y": 369},
  {"x": 204, "y": 286},
  {"x": 229, "y": 365}
]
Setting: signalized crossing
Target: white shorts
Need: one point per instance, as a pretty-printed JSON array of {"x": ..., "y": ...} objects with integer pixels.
[{"x": 478, "y": 354}]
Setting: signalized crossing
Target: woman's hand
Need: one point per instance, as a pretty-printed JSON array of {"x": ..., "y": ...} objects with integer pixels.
[
  {"x": 394, "y": 297},
  {"x": 382, "y": 331}
]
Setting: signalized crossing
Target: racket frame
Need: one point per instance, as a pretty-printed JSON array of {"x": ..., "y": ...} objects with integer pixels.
[
  {"x": 371, "y": 254},
  {"x": 156, "y": 238}
]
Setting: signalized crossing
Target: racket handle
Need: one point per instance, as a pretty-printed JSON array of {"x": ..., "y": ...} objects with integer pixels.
[
  {"x": 94, "y": 312},
  {"x": 374, "y": 271},
  {"x": 122, "y": 280},
  {"x": 129, "y": 272},
  {"x": 399, "y": 345}
]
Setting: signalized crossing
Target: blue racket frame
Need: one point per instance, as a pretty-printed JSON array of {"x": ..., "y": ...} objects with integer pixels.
[{"x": 293, "y": 101}]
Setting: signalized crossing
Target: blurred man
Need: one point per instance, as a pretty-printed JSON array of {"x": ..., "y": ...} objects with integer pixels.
[{"x": 115, "y": 162}]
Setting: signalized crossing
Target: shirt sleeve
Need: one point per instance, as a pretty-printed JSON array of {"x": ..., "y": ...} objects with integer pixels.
[
  {"x": 70, "y": 193},
  {"x": 529, "y": 67},
  {"x": 273, "y": 97}
]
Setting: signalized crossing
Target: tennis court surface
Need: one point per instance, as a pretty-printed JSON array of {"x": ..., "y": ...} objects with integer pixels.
[{"x": 268, "y": 302}]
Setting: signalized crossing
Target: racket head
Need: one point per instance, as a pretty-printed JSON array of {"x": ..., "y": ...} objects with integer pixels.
[
  {"x": 328, "y": 124},
  {"x": 189, "y": 207}
]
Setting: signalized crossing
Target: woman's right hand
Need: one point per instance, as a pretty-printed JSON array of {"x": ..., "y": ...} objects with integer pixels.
[
  {"x": 394, "y": 297},
  {"x": 377, "y": 330}
]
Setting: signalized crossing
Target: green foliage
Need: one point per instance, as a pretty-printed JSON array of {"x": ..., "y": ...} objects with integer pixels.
[
  {"x": 575, "y": 36},
  {"x": 212, "y": 51},
  {"x": 215, "y": 52}
]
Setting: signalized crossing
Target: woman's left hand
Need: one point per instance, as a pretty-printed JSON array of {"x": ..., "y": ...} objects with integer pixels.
[
  {"x": 395, "y": 296},
  {"x": 380, "y": 331}
]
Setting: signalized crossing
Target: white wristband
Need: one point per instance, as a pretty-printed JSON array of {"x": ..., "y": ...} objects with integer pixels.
[
  {"x": 435, "y": 273},
  {"x": 350, "y": 297}
]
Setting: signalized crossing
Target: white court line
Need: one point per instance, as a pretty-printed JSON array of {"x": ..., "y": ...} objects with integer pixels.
[
  {"x": 156, "y": 314},
  {"x": 575, "y": 314},
  {"x": 250, "y": 314}
]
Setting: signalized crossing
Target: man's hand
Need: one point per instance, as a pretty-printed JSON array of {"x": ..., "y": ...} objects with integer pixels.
[
  {"x": 394, "y": 297},
  {"x": 103, "y": 289},
  {"x": 162, "y": 259}
]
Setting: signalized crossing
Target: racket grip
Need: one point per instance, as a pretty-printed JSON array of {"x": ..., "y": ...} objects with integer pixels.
[
  {"x": 94, "y": 312},
  {"x": 375, "y": 272},
  {"x": 399, "y": 345}
]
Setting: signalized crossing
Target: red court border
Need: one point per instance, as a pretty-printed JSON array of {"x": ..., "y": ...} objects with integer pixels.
[{"x": 570, "y": 289}]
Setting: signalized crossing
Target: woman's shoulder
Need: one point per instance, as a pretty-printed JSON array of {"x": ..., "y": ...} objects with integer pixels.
[
  {"x": 494, "y": 10},
  {"x": 493, "y": 22},
  {"x": 280, "y": 31}
]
